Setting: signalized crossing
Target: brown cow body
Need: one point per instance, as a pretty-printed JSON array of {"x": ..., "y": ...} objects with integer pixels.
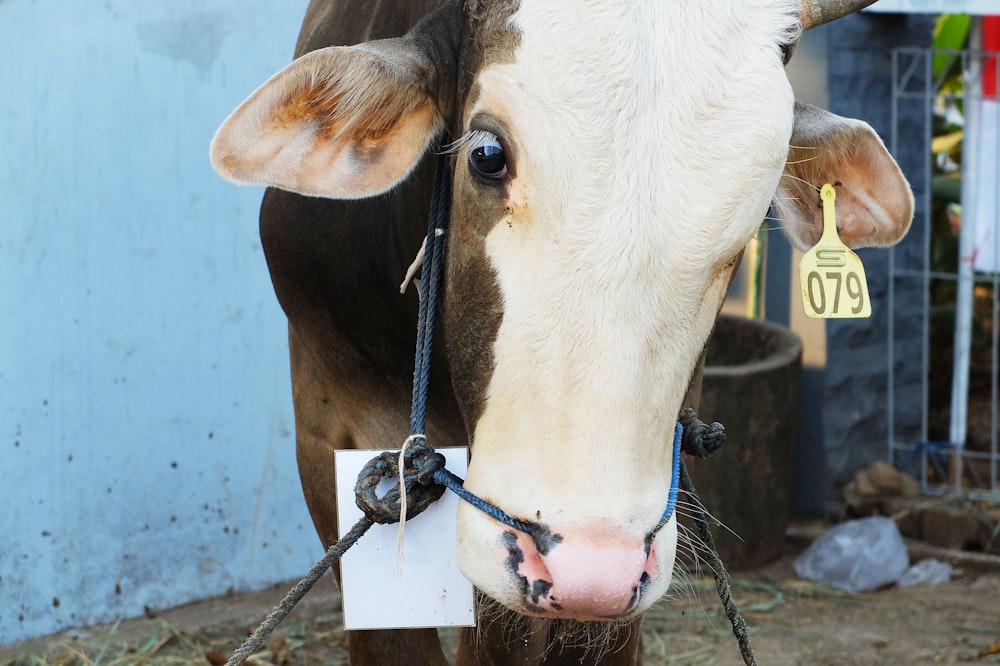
[{"x": 597, "y": 217}]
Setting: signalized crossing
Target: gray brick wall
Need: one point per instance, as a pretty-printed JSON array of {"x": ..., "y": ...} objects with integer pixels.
[{"x": 855, "y": 380}]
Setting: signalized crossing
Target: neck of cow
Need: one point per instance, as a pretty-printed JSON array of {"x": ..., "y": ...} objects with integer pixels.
[{"x": 337, "y": 278}]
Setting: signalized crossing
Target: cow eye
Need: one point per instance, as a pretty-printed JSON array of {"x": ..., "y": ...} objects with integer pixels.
[
  {"x": 786, "y": 52},
  {"x": 486, "y": 156}
]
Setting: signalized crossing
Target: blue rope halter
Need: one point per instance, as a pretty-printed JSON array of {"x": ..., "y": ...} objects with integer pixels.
[{"x": 433, "y": 267}]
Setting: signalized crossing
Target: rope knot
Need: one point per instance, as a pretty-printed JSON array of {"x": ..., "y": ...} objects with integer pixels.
[
  {"x": 700, "y": 439},
  {"x": 420, "y": 462},
  {"x": 427, "y": 466}
]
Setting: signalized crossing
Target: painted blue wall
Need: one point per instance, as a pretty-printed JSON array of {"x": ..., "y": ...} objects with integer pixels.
[{"x": 145, "y": 413}]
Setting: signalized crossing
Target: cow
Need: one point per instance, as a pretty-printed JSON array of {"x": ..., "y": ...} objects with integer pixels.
[{"x": 609, "y": 162}]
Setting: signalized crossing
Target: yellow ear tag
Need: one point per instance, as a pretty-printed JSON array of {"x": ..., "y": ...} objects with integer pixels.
[{"x": 832, "y": 277}]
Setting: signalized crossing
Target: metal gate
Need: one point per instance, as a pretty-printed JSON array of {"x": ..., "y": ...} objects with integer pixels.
[{"x": 944, "y": 290}]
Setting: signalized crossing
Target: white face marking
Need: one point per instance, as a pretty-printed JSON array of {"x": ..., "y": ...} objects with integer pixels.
[{"x": 649, "y": 137}]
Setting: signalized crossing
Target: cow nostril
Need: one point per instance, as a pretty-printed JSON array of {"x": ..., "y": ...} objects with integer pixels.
[
  {"x": 540, "y": 589},
  {"x": 638, "y": 591}
]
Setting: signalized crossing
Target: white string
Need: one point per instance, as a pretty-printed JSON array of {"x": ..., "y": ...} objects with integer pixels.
[
  {"x": 402, "y": 505},
  {"x": 413, "y": 268},
  {"x": 418, "y": 261}
]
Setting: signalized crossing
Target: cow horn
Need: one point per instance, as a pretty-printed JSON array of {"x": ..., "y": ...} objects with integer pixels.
[{"x": 818, "y": 12}]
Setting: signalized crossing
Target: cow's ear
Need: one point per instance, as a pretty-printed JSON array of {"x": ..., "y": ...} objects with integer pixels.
[
  {"x": 874, "y": 203},
  {"x": 340, "y": 122}
]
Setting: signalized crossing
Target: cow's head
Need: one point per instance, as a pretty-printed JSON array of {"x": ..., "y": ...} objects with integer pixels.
[{"x": 612, "y": 160}]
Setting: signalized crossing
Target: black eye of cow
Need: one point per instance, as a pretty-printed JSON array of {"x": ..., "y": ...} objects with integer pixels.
[
  {"x": 786, "y": 52},
  {"x": 486, "y": 157}
]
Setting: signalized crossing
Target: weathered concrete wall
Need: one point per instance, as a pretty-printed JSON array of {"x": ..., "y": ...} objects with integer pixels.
[
  {"x": 855, "y": 380},
  {"x": 145, "y": 411}
]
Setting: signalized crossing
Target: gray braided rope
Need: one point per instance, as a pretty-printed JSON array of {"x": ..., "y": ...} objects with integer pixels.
[
  {"x": 298, "y": 591},
  {"x": 719, "y": 571}
]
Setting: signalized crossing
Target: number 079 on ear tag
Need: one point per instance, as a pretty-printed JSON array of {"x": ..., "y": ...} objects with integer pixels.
[
  {"x": 431, "y": 592},
  {"x": 832, "y": 277}
]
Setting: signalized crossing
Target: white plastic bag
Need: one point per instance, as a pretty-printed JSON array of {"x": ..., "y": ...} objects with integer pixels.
[
  {"x": 926, "y": 572},
  {"x": 856, "y": 556}
]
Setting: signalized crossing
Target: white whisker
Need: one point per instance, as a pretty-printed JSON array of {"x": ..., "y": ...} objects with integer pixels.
[
  {"x": 805, "y": 182},
  {"x": 594, "y": 639}
]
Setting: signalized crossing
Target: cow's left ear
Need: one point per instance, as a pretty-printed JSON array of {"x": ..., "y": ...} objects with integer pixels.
[
  {"x": 874, "y": 202},
  {"x": 340, "y": 122}
]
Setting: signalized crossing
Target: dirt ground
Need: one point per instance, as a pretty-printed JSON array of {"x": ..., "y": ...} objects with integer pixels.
[{"x": 791, "y": 622}]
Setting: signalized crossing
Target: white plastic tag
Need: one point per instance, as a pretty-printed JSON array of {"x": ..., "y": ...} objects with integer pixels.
[
  {"x": 432, "y": 592},
  {"x": 831, "y": 276}
]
